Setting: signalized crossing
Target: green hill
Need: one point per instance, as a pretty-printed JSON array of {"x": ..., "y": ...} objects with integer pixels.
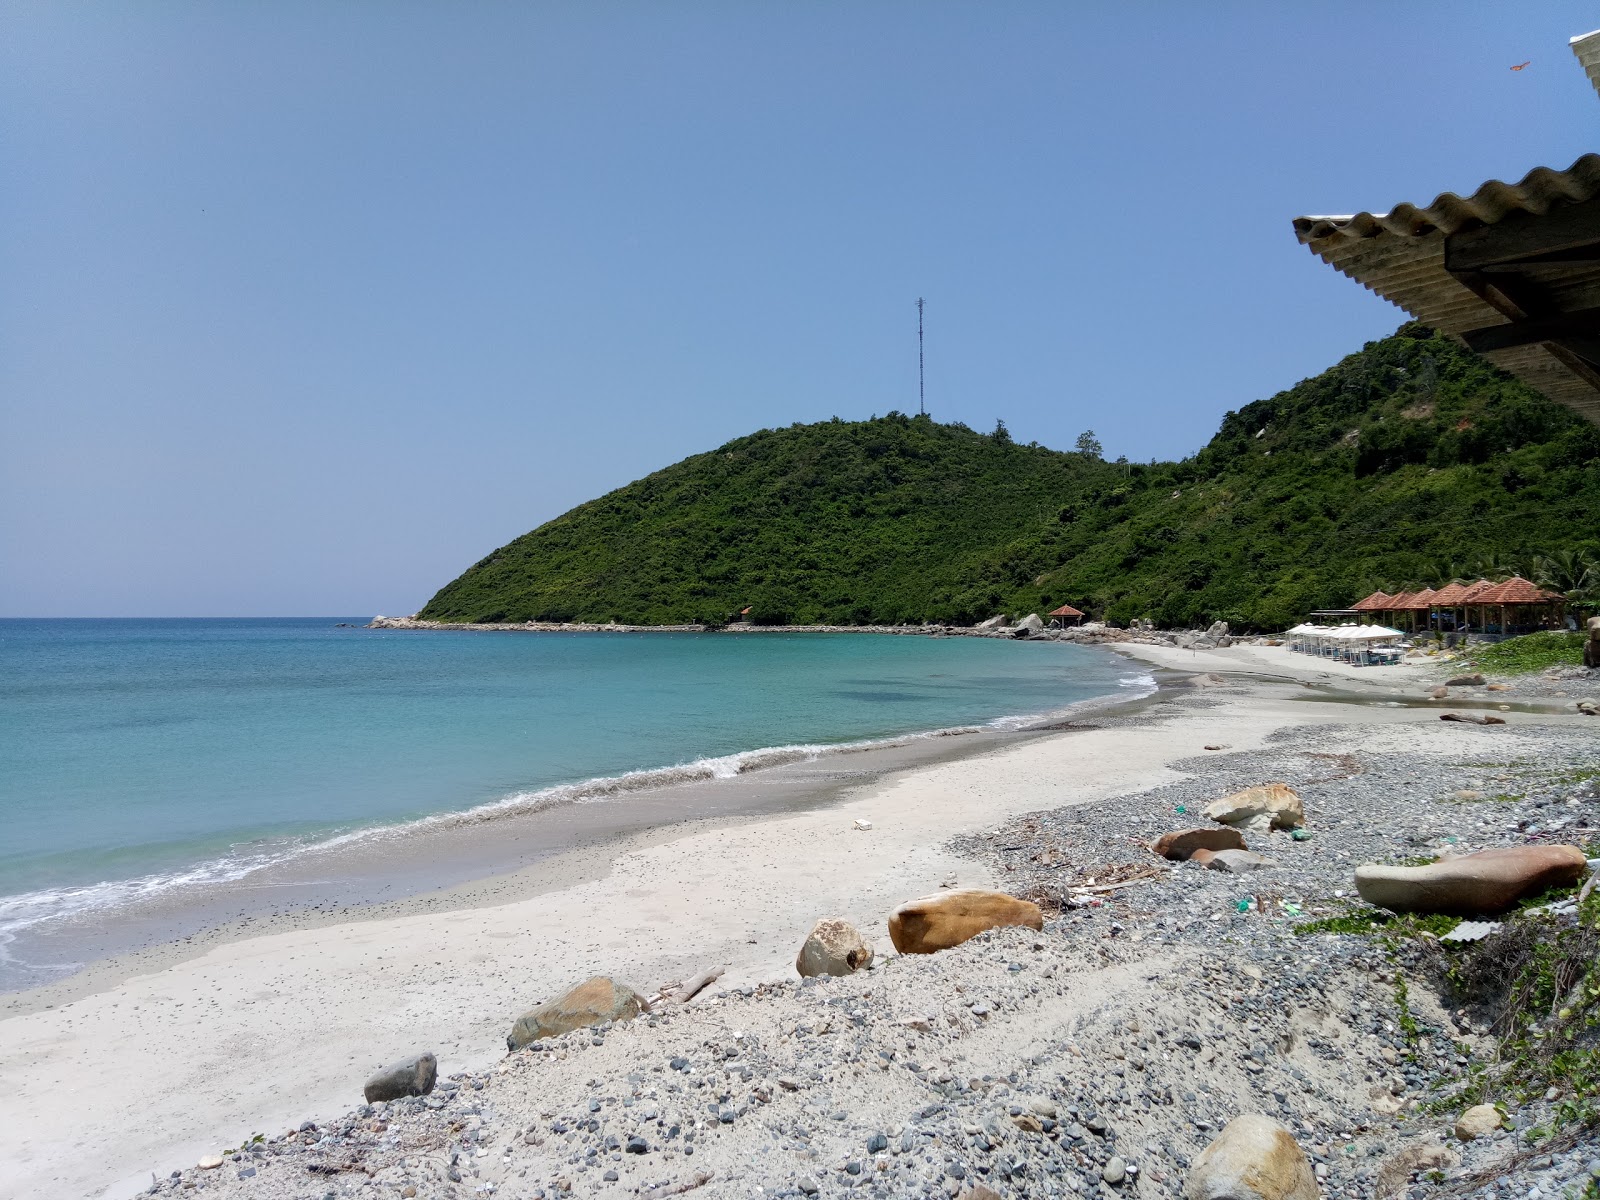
[{"x": 1408, "y": 463}]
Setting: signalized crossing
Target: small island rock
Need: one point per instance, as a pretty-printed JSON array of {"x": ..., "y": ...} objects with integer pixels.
[{"x": 950, "y": 918}]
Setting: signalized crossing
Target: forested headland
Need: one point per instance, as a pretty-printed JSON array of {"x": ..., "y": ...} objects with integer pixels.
[{"x": 1407, "y": 464}]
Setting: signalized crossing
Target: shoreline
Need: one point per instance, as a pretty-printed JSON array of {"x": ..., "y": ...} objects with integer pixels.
[
  {"x": 260, "y": 1030},
  {"x": 555, "y": 836}
]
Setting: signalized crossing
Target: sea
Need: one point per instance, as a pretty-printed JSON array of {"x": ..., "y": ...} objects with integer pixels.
[{"x": 154, "y": 760}]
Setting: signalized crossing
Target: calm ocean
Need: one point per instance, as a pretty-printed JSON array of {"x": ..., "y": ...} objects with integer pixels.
[{"x": 144, "y": 756}]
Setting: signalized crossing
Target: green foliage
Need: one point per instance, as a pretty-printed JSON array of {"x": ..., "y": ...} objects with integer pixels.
[
  {"x": 1532, "y": 652},
  {"x": 1406, "y": 460}
]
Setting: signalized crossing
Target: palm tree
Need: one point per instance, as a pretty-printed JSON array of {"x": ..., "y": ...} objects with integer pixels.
[{"x": 1572, "y": 573}]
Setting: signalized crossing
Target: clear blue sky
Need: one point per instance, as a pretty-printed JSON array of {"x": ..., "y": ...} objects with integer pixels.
[{"x": 306, "y": 307}]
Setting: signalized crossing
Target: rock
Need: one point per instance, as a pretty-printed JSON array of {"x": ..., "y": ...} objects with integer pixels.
[
  {"x": 1499, "y": 687},
  {"x": 834, "y": 947},
  {"x": 1202, "y": 857},
  {"x": 1209, "y": 680},
  {"x": 993, "y": 623},
  {"x": 1395, "y": 1172},
  {"x": 1115, "y": 1170},
  {"x": 1473, "y": 718},
  {"x": 1469, "y": 796},
  {"x": 1218, "y": 629},
  {"x": 979, "y": 1191},
  {"x": 1589, "y": 708},
  {"x": 1473, "y": 680},
  {"x": 1237, "y": 862},
  {"x": 1489, "y": 881},
  {"x": 598, "y": 999},
  {"x": 1032, "y": 623},
  {"x": 863, "y": 824},
  {"x": 950, "y": 918},
  {"x": 1179, "y": 846},
  {"x": 1253, "y": 1158},
  {"x": 210, "y": 1162},
  {"x": 1258, "y": 809},
  {"x": 413, "y": 1077},
  {"x": 1439, "y": 693},
  {"x": 1478, "y": 1121}
]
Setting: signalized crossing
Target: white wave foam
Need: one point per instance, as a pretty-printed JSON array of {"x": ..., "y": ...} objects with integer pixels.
[{"x": 25, "y": 910}]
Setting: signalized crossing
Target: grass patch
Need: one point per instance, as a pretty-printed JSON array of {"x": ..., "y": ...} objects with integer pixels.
[
  {"x": 1375, "y": 921},
  {"x": 1531, "y": 652}
]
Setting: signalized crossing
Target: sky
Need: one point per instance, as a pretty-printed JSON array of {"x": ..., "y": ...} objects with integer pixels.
[{"x": 306, "y": 307}]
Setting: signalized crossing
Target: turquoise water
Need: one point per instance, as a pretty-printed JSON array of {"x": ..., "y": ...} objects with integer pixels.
[{"x": 145, "y": 755}]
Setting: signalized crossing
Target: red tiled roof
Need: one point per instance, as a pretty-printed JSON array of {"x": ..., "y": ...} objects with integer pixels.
[
  {"x": 1066, "y": 610},
  {"x": 1377, "y": 602},
  {"x": 1450, "y": 595},
  {"x": 1474, "y": 590},
  {"x": 1517, "y": 590}
]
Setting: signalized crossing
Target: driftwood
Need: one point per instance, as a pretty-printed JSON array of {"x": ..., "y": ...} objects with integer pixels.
[
  {"x": 682, "y": 993},
  {"x": 677, "y": 1189}
]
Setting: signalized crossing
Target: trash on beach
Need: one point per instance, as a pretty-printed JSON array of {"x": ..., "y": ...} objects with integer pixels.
[
  {"x": 1300, "y": 835},
  {"x": 1471, "y": 931},
  {"x": 862, "y": 823}
]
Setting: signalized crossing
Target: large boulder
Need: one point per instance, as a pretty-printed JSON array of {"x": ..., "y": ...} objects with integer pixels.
[
  {"x": 1236, "y": 862},
  {"x": 1258, "y": 809},
  {"x": 1179, "y": 846},
  {"x": 1473, "y": 680},
  {"x": 834, "y": 948},
  {"x": 950, "y": 918},
  {"x": 1253, "y": 1158},
  {"x": 1032, "y": 623},
  {"x": 413, "y": 1077},
  {"x": 591, "y": 1002},
  {"x": 993, "y": 623},
  {"x": 1591, "y": 648},
  {"x": 1489, "y": 881}
]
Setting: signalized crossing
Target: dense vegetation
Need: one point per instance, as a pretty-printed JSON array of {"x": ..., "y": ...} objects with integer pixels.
[
  {"x": 1409, "y": 463},
  {"x": 1532, "y": 652}
]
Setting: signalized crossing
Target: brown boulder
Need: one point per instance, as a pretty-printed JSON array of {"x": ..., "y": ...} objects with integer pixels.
[
  {"x": 1179, "y": 846},
  {"x": 950, "y": 918},
  {"x": 834, "y": 948},
  {"x": 1258, "y": 809},
  {"x": 1253, "y": 1158},
  {"x": 1473, "y": 719},
  {"x": 596, "y": 1000},
  {"x": 1489, "y": 881},
  {"x": 1473, "y": 680}
]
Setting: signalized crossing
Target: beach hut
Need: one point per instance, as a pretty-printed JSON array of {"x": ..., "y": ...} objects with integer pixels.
[
  {"x": 1370, "y": 606},
  {"x": 1067, "y": 613}
]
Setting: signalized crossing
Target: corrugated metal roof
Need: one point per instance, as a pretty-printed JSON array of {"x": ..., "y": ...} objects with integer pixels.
[
  {"x": 1400, "y": 256},
  {"x": 1587, "y": 47}
]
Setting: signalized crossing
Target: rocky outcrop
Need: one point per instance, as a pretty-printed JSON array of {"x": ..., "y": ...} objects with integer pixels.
[
  {"x": 1489, "y": 881},
  {"x": 1032, "y": 623},
  {"x": 1179, "y": 846},
  {"x": 591, "y": 1002},
  {"x": 834, "y": 947},
  {"x": 413, "y": 1077},
  {"x": 993, "y": 623},
  {"x": 1258, "y": 809},
  {"x": 938, "y": 922},
  {"x": 1253, "y": 1158}
]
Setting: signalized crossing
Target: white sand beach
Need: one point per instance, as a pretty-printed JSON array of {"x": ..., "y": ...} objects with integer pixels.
[{"x": 261, "y": 1033}]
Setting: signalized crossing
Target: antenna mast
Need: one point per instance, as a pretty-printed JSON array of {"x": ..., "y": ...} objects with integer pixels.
[{"x": 922, "y": 402}]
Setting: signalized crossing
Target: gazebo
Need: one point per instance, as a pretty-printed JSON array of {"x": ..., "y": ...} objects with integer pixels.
[
  {"x": 1066, "y": 611},
  {"x": 1521, "y": 606}
]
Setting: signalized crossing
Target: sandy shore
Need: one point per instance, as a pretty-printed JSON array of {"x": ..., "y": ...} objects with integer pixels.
[{"x": 259, "y": 1033}]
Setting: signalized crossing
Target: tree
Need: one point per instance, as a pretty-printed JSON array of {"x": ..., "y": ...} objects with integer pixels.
[
  {"x": 1001, "y": 435},
  {"x": 1088, "y": 445}
]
